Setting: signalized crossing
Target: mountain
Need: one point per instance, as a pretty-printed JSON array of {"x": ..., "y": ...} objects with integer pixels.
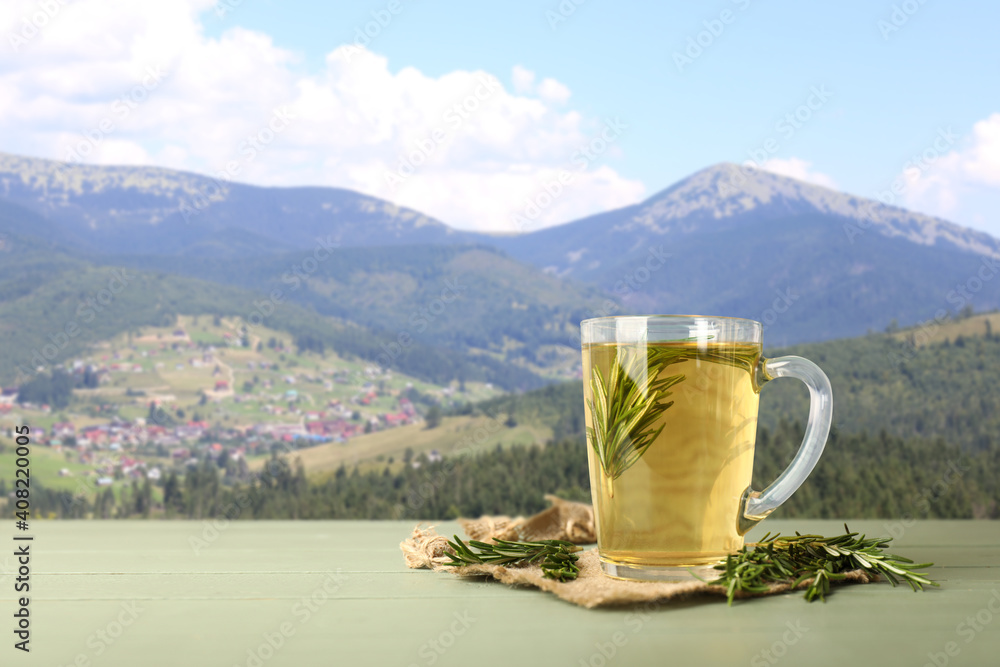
[
  {"x": 725, "y": 198},
  {"x": 470, "y": 298},
  {"x": 814, "y": 263},
  {"x": 810, "y": 262},
  {"x": 55, "y": 307},
  {"x": 436, "y": 312},
  {"x": 161, "y": 211}
]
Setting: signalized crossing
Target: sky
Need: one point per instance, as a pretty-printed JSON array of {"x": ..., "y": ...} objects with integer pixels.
[{"x": 513, "y": 116}]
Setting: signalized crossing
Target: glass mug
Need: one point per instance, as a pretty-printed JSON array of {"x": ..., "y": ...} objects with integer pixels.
[{"x": 671, "y": 416}]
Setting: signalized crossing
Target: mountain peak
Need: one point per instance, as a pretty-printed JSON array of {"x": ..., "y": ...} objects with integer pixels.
[
  {"x": 153, "y": 209},
  {"x": 723, "y": 192}
]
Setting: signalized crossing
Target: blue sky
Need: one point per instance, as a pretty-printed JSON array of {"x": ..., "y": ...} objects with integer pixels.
[
  {"x": 892, "y": 76},
  {"x": 889, "y": 95}
]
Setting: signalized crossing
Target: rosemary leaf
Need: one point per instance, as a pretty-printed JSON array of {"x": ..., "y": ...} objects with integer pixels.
[
  {"x": 625, "y": 406},
  {"x": 557, "y": 558},
  {"x": 819, "y": 560}
]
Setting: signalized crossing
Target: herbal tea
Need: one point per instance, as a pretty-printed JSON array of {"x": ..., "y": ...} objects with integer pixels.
[{"x": 670, "y": 432}]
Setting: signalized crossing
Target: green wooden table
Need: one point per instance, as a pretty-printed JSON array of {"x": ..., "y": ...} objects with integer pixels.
[{"x": 337, "y": 593}]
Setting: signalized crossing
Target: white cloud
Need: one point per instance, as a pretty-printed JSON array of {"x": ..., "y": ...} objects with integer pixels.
[
  {"x": 959, "y": 184},
  {"x": 981, "y": 162},
  {"x": 551, "y": 90},
  {"x": 82, "y": 86},
  {"x": 794, "y": 167},
  {"x": 523, "y": 79}
]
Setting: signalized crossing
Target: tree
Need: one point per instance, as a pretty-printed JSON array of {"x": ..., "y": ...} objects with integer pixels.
[
  {"x": 55, "y": 390},
  {"x": 434, "y": 416}
]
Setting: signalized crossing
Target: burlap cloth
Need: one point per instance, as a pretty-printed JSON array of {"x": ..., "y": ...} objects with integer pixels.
[{"x": 564, "y": 521}]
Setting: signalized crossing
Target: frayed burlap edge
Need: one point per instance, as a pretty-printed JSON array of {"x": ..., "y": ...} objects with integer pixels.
[
  {"x": 564, "y": 520},
  {"x": 424, "y": 549},
  {"x": 592, "y": 588}
]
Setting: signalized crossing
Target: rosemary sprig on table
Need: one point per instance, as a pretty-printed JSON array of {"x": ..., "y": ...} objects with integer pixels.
[
  {"x": 624, "y": 407},
  {"x": 794, "y": 560},
  {"x": 557, "y": 558}
]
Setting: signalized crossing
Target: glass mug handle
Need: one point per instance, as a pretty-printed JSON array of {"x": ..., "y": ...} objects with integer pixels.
[{"x": 756, "y": 505}]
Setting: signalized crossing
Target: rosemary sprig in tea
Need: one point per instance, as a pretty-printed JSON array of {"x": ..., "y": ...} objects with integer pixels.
[
  {"x": 624, "y": 407},
  {"x": 557, "y": 558},
  {"x": 794, "y": 560}
]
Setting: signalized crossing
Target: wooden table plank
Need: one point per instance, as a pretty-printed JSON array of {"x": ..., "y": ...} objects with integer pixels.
[
  {"x": 218, "y": 605},
  {"x": 322, "y": 546}
]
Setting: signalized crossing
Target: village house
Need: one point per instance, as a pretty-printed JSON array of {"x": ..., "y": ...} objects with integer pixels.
[
  {"x": 63, "y": 430},
  {"x": 395, "y": 419},
  {"x": 280, "y": 431},
  {"x": 338, "y": 429},
  {"x": 94, "y": 435}
]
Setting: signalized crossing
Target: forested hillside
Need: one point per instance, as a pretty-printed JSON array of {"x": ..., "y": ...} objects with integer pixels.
[
  {"x": 859, "y": 476},
  {"x": 888, "y": 382}
]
